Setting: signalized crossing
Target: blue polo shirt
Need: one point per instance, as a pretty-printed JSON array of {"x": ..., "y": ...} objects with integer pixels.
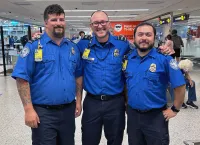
[
  {"x": 103, "y": 67},
  {"x": 148, "y": 78},
  {"x": 52, "y": 80}
]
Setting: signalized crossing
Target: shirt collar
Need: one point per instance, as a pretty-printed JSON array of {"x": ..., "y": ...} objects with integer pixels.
[
  {"x": 94, "y": 40},
  {"x": 152, "y": 53},
  {"x": 47, "y": 39}
]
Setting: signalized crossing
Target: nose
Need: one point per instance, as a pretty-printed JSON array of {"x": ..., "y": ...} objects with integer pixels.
[
  {"x": 144, "y": 37},
  {"x": 99, "y": 26}
]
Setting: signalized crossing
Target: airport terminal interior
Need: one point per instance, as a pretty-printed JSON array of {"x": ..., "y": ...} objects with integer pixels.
[{"x": 21, "y": 19}]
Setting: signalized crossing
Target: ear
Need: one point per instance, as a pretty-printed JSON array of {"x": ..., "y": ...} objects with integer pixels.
[{"x": 109, "y": 25}]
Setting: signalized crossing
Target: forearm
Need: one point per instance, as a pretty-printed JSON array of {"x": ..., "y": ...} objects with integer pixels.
[
  {"x": 187, "y": 76},
  {"x": 24, "y": 93},
  {"x": 179, "y": 94},
  {"x": 79, "y": 88}
]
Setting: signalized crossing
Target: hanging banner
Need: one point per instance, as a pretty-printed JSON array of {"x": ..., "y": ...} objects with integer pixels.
[{"x": 124, "y": 28}]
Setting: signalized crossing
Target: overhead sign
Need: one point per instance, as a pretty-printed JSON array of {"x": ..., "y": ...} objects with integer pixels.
[
  {"x": 182, "y": 17},
  {"x": 177, "y": 18},
  {"x": 164, "y": 21}
]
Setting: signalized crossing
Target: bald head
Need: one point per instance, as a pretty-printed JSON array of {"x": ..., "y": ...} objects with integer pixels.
[
  {"x": 99, "y": 13},
  {"x": 100, "y": 25}
]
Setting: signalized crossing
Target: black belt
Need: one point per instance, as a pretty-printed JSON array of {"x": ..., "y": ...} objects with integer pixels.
[
  {"x": 56, "y": 107},
  {"x": 151, "y": 110},
  {"x": 104, "y": 97}
]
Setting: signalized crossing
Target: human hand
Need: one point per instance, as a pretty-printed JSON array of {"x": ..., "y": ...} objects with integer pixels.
[
  {"x": 78, "y": 109},
  {"x": 36, "y": 35},
  {"x": 31, "y": 118},
  {"x": 166, "y": 50},
  {"x": 191, "y": 83},
  {"x": 168, "y": 114}
]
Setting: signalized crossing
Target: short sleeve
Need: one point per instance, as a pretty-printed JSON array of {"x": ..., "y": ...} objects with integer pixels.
[
  {"x": 25, "y": 65},
  {"x": 175, "y": 75}
]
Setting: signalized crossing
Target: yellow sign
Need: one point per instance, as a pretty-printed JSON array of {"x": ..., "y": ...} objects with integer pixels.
[
  {"x": 182, "y": 17},
  {"x": 168, "y": 20},
  {"x": 38, "y": 55},
  {"x": 124, "y": 64},
  {"x": 86, "y": 53}
]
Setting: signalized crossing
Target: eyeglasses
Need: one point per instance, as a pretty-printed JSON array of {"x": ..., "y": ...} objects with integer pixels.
[{"x": 96, "y": 24}]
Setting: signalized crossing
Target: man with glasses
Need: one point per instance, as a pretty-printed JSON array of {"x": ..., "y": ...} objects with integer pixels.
[{"x": 104, "y": 104}]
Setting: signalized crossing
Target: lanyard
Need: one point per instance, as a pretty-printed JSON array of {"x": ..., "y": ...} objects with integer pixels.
[{"x": 101, "y": 59}]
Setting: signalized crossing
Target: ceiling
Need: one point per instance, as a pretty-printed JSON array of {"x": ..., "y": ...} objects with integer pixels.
[{"x": 31, "y": 11}]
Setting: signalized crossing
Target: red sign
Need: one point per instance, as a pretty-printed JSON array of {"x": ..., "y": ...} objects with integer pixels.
[{"x": 124, "y": 28}]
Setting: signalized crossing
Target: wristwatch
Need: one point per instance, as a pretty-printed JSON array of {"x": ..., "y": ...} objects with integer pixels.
[{"x": 173, "y": 108}]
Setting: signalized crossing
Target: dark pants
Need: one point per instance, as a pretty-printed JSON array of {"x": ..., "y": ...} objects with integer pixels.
[
  {"x": 96, "y": 114},
  {"x": 148, "y": 128},
  {"x": 57, "y": 126}
]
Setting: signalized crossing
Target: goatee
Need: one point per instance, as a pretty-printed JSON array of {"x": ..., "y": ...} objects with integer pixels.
[{"x": 144, "y": 49}]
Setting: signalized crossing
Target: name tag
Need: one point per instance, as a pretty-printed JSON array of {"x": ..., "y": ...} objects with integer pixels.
[
  {"x": 38, "y": 55},
  {"x": 86, "y": 53},
  {"x": 124, "y": 64}
]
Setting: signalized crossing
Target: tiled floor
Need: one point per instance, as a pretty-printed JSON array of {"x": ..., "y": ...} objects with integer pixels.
[{"x": 186, "y": 125}]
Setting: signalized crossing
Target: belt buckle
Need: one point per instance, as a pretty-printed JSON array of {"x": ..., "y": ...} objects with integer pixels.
[{"x": 102, "y": 97}]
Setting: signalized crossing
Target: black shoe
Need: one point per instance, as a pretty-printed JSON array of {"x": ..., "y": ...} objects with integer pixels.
[
  {"x": 191, "y": 105},
  {"x": 184, "y": 106}
]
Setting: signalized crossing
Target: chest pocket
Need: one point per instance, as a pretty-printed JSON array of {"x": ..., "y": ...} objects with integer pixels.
[
  {"x": 133, "y": 79},
  {"x": 91, "y": 65},
  {"x": 72, "y": 63},
  {"x": 49, "y": 64},
  {"x": 115, "y": 63},
  {"x": 152, "y": 80}
]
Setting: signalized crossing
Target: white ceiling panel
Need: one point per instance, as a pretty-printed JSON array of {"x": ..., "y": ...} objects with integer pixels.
[{"x": 30, "y": 11}]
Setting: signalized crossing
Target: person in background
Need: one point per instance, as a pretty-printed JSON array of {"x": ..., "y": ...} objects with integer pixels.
[
  {"x": 178, "y": 42},
  {"x": 11, "y": 41},
  {"x": 24, "y": 40},
  {"x": 169, "y": 43},
  {"x": 81, "y": 34},
  {"x": 186, "y": 66}
]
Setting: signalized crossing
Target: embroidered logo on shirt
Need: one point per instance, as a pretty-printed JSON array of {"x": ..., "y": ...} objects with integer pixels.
[
  {"x": 116, "y": 52},
  {"x": 24, "y": 52},
  {"x": 173, "y": 64},
  {"x": 73, "y": 51},
  {"x": 152, "y": 67}
]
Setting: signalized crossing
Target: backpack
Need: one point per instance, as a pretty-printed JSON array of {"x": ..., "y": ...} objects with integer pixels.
[{"x": 177, "y": 42}]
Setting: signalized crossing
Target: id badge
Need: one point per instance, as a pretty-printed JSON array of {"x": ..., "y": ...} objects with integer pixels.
[
  {"x": 38, "y": 55},
  {"x": 124, "y": 64},
  {"x": 86, "y": 53}
]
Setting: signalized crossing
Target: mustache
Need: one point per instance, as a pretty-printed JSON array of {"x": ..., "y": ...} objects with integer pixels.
[
  {"x": 144, "y": 41},
  {"x": 59, "y": 27}
]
